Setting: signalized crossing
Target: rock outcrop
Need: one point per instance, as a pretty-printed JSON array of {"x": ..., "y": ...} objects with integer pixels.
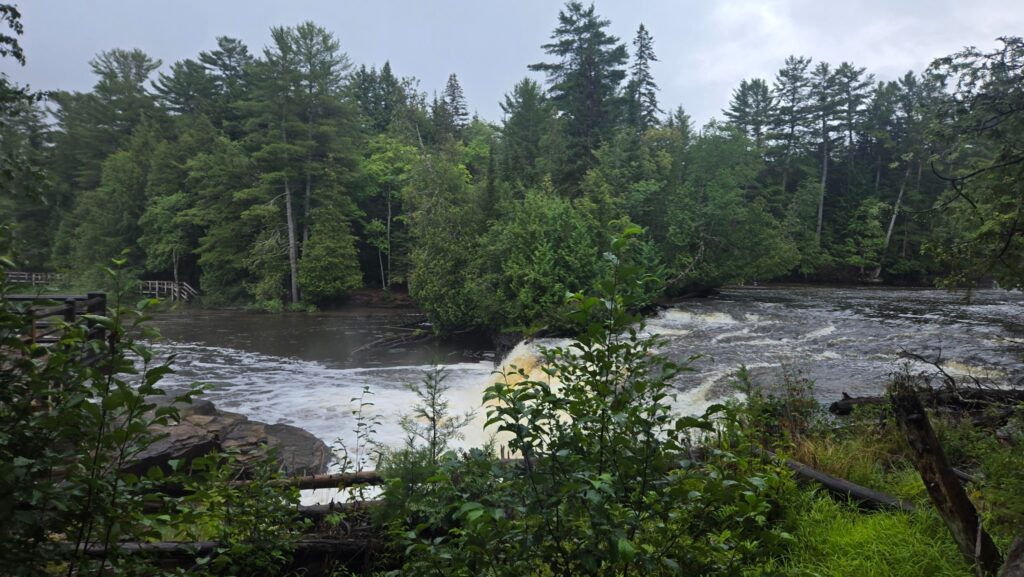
[{"x": 204, "y": 429}]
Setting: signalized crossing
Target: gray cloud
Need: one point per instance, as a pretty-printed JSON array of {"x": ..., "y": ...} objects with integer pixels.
[{"x": 705, "y": 48}]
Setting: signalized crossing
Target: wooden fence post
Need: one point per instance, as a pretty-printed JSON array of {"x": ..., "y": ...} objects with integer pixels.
[
  {"x": 942, "y": 484},
  {"x": 69, "y": 310}
]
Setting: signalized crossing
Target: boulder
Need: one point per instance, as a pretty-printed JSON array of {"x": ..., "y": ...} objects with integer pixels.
[{"x": 203, "y": 429}]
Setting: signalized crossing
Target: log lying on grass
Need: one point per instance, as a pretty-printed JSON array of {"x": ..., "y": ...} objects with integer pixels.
[
  {"x": 963, "y": 398},
  {"x": 867, "y": 498}
]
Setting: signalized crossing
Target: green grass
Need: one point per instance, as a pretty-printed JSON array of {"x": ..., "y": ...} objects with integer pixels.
[{"x": 837, "y": 540}]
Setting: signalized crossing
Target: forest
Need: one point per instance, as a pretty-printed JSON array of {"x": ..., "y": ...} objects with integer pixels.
[{"x": 288, "y": 176}]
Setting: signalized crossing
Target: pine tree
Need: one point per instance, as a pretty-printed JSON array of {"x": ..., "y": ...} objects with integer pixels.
[
  {"x": 229, "y": 67},
  {"x": 527, "y": 118},
  {"x": 789, "y": 124},
  {"x": 297, "y": 120},
  {"x": 188, "y": 89},
  {"x": 454, "y": 102},
  {"x": 752, "y": 109},
  {"x": 642, "y": 90},
  {"x": 584, "y": 83},
  {"x": 92, "y": 126},
  {"x": 826, "y": 108}
]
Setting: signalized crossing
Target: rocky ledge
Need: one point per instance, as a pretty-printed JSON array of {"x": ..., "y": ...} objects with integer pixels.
[{"x": 203, "y": 429}]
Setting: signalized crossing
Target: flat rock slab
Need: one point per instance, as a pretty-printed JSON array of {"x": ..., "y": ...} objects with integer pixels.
[{"x": 204, "y": 429}]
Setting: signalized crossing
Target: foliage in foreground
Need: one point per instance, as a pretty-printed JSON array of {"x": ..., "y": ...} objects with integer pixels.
[
  {"x": 609, "y": 482},
  {"x": 69, "y": 431}
]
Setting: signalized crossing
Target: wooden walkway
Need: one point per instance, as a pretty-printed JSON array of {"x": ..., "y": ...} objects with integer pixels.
[
  {"x": 48, "y": 316},
  {"x": 175, "y": 291}
]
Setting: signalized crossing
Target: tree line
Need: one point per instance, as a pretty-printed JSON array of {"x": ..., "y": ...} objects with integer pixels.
[{"x": 290, "y": 176}]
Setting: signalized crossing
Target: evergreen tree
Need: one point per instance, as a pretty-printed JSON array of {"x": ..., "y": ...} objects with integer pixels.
[
  {"x": 92, "y": 126},
  {"x": 789, "y": 123},
  {"x": 228, "y": 66},
  {"x": 642, "y": 90},
  {"x": 188, "y": 89},
  {"x": 297, "y": 120},
  {"x": 825, "y": 111},
  {"x": 981, "y": 129},
  {"x": 584, "y": 83},
  {"x": 329, "y": 270},
  {"x": 752, "y": 109},
  {"x": 454, "y": 103},
  {"x": 527, "y": 119}
]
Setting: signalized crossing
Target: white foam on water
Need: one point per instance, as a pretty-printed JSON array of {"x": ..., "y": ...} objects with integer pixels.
[
  {"x": 677, "y": 316},
  {"x": 817, "y": 334},
  {"x": 661, "y": 330},
  {"x": 731, "y": 335},
  {"x": 323, "y": 400}
]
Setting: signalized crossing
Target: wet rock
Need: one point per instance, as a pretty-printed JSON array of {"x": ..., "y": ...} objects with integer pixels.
[
  {"x": 203, "y": 429},
  {"x": 183, "y": 441},
  {"x": 299, "y": 451}
]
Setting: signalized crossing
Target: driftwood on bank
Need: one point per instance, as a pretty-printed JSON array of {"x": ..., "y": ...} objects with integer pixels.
[
  {"x": 867, "y": 498},
  {"x": 942, "y": 483},
  {"x": 966, "y": 398}
]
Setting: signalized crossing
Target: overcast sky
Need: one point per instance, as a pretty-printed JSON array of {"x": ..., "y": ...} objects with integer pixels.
[{"x": 705, "y": 48}]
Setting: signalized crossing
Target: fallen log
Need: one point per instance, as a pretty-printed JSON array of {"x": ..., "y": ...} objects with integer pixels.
[
  {"x": 329, "y": 481},
  {"x": 965, "y": 398},
  {"x": 180, "y": 549},
  {"x": 942, "y": 484},
  {"x": 866, "y": 498}
]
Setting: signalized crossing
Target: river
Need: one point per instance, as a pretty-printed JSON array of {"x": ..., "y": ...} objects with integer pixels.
[{"x": 311, "y": 370}]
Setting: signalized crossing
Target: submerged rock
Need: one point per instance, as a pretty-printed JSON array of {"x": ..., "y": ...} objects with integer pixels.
[{"x": 204, "y": 429}]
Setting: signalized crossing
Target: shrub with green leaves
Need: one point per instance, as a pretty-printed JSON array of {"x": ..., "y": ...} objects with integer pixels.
[
  {"x": 608, "y": 483},
  {"x": 73, "y": 417}
]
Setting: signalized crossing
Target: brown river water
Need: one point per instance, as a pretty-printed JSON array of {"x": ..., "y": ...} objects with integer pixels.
[{"x": 307, "y": 369}]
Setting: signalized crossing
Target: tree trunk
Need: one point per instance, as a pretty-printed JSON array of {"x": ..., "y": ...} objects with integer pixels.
[
  {"x": 387, "y": 284},
  {"x": 867, "y": 498},
  {"x": 305, "y": 209},
  {"x": 785, "y": 173},
  {"x": 380, "y": 261},
  {"x": 878, "y": 173},
  {"x": 906, "y": 222},
  {"x": 944, "y": 488},
  {"x": 892, "y": 221},
  {"x": 824, "y": 179},
  {"x": 309, "y": 163},
  {"x": 293, "y": 246}
]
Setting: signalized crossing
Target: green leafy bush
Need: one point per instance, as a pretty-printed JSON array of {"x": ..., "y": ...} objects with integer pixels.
[
  {"x": 608, "y": 483},
  {"x": 73, "y": 417}
]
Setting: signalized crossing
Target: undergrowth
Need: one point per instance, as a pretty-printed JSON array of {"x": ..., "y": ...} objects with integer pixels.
[{"x": 840, "y": 540}]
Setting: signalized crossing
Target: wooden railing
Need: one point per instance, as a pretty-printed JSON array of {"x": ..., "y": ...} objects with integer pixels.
[
  {"x": 34, "y": 278},
  {"x": 47, "y": 316},
  {"x": 176, "y": 291}
]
